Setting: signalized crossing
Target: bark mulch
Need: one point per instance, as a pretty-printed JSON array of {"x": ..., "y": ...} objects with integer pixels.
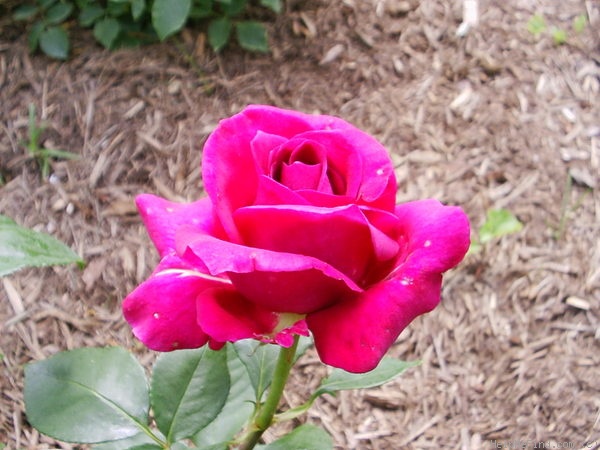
[{"x": 496, "y": 118}]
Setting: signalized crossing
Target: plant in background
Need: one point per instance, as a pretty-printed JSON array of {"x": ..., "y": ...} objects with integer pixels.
[
  {"x": 498, "y": 223},
  {"x": 41, "y": 154},
  {"x": 118, "y": 23},
  {"x": 21, "y": 247},
  {"x": 579, "y": 23},
  {"x": 537, "y": 27},
  {"x": 299, "y": 235},
  {"x": 48, "y": 31}
]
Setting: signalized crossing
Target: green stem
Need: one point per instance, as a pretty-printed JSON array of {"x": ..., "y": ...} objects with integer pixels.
[{"x": 263, "y": 417}]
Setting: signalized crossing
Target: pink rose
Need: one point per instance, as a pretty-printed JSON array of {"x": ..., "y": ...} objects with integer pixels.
[{"x": 299, "y": 232}]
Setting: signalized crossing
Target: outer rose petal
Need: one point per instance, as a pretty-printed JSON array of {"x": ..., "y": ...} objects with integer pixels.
[
  {"x": 354, "y": 334},
  {"x": 162, "y": 310},
  {"x": 281, "y": 282},
  {"x": 228, "y": 317},
  {"x": 437, "y": 236},
  {"x": 163, "y": 217},
  {"x": 338, "y": 236}
]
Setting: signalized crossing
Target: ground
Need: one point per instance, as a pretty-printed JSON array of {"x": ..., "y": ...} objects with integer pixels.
[{"x": 493, "y": 118}]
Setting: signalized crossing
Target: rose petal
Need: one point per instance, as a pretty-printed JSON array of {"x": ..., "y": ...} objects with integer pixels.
[
  {"x": 228, "y": 156},
  {"x": 162, "y": 218},
  {"x": 285, "y": 337},
  {"x": 162, "y": 310},
  {"x": 228, "y": 317},
  {"x": 281, "y": 282},
  {"x": 361, "y": 163},
  {"x": 262, "y": 145},
  {"x": 301, "y": 164},
  {"x": 303, "y": 176},
  {"x": 270, "y": 192},
  {"x": 338, "y": 236},
  {"x": 355, "y": 333},
  {"x": 366, "y": 325},
  {"x": 437, "y": 236},
  {"x": 325, "y": 200}
]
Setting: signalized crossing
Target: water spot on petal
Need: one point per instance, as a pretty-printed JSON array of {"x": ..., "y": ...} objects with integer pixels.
[
  {"x": 379, "y": 171},
  {"x": 406, "y": 281},
  {"x": 427, "y": 243},
  {"x": 156, "y": 315},
  {"x": 169, "y": 209}
]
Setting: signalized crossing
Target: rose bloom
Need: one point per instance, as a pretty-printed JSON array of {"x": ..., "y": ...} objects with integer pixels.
[{"x": 300, "y": 232}]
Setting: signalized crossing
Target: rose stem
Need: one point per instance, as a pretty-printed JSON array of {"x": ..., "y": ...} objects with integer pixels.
[{"x": 264, "y": 416}]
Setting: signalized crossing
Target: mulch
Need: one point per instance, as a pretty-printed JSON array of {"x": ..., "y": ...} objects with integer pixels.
[{"x": 496, "y": 118}]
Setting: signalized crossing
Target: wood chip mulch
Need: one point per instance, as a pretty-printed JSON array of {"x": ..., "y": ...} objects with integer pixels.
[{"x": 491, "y": 117}]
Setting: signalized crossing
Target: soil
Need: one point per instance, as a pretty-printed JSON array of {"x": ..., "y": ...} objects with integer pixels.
[{"x": 486, "y": 116}]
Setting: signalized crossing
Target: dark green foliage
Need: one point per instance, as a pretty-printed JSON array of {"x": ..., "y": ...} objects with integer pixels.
[{"x": 118, "y": 23}]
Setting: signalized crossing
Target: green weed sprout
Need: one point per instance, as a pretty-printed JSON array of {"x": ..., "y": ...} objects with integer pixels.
[
  {"x": 536, "y": 25},
  {"x": 41, "y": 154},
  {"x": 499, "y": 222}
]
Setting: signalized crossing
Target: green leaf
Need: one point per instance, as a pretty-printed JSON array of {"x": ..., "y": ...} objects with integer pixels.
[
  {"x": 33, "y": 131},
  {"x": 87, "y": 395},
  {"x": 56, "y": 153},
  {"x": 304, "y": 343},
  {"x": 499, "y": 222},
  {"x": 188, "y": 390},
  {"x": 21, "y": 247},
  {"x": 305, "y": 437},
  {"x": 559, "y": 36},
  {"x": 83, "y": 3},
  {"x": 237, "y": 409},
  {"x": 106, "y": 31},
  {"x": 169, "y": 16},
  {"x": 233, "y": 7},
  {"x": 54, "y": 42},
  {"x": 273, "y": 5},
  {"x": 134, "y": 441},
  {"x": 45, "y": 4},
  {"x": 579, "y": 23},
  {"x": 259, "y": 360},
  {"x": 90, "y": 14},
  {"x": 387, "y": 370},
  {"x": 218, "y": 33},
  {"x": 137, "y": 8},
  {"x": 117, "y": 8},
  {"x": 536, "y": 25},
  {"x": 33, "y": 39},
  {"x": 25, "y": 12},
  {"x": 58, "y": 13},
  {"x": 219, "y": 446},
  {"x": 152, "y": 447},
  {"x": 252, "y": 36},
  {"x": 201, "y": 9}
]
